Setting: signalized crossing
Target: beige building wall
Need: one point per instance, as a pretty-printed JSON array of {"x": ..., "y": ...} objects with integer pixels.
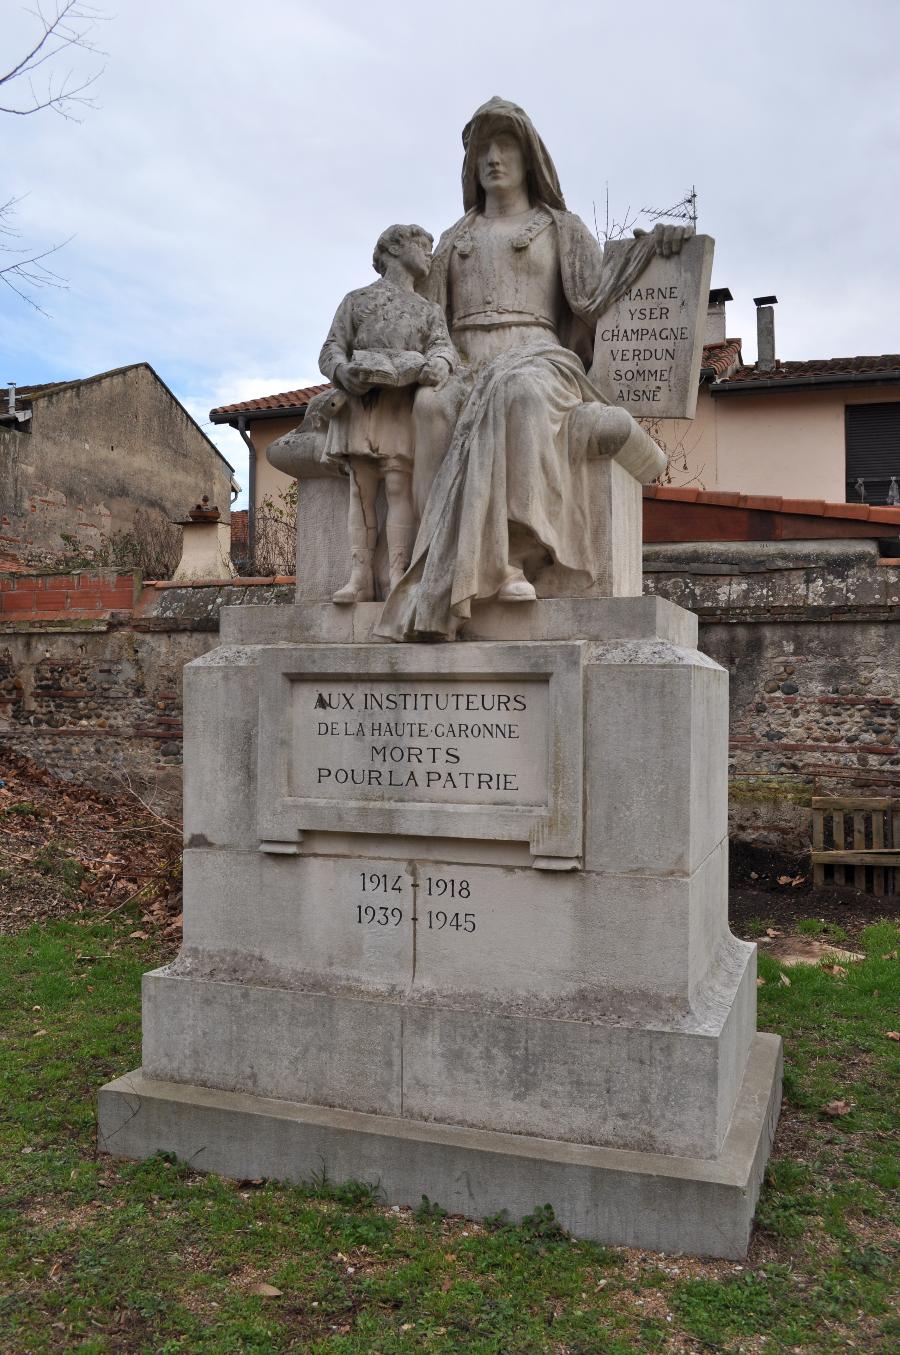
[
  {"x": 269, "y": 481},
  {"x": 788, "y": 443}
]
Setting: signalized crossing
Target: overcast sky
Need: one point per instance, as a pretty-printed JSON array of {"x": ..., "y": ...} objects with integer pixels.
[{"x": 228, "y": 187}]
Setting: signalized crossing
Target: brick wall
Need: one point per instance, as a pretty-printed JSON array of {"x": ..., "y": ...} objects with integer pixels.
[
  {"x": 90, "y": 673},
  {"x": 58, "y": 596}
]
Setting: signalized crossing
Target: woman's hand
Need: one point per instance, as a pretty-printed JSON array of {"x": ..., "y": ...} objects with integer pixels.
[{"x": 667, "y": 239}]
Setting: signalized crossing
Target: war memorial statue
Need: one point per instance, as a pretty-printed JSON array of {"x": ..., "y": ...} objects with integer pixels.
[{"x": 455, "y": 914}]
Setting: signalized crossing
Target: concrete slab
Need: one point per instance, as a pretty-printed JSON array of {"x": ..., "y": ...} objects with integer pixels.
[
  {"x": 608, "y": 618},
  {"x": 614, "y": 1196}
]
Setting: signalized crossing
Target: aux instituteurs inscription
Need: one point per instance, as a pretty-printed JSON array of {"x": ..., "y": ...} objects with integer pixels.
[
  {"x": 471, "y": 741},
  {"x": 422, "y": 742}
]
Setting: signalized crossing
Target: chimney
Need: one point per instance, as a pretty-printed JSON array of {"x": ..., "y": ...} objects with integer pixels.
[
  {"x": 765, "y": 332},
  {"x": 715, "y": 315},
  {"x": 11, "y": 397}
]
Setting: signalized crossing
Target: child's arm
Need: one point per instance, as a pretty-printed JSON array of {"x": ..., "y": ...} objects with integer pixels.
[
  {"x": 441, "y": 358},
  {"x": 338, "y": 349}
]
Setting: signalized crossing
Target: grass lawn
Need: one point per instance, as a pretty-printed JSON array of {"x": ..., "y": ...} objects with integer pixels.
[{"x": 97, "y": 1256}]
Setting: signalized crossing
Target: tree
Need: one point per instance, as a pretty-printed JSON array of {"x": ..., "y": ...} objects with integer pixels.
[{"x": 37, "y": 82}]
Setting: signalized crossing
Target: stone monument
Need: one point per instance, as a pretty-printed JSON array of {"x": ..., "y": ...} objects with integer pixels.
[{"x": 455, "y": 914}]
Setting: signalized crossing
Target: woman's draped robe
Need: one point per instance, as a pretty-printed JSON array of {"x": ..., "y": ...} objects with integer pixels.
[{"x": 514, "y": 419}]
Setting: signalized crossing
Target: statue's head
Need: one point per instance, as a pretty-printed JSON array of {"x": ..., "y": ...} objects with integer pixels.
[
  {"x": 519, "y": 155},
  {"x": 409, "y": 245}
]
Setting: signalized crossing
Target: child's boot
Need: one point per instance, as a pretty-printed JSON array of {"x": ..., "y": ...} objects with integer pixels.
[{"x": 360, "y": 587}]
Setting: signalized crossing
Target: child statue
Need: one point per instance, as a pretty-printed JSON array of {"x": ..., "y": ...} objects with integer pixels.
[{"x": 385, "y": 341}]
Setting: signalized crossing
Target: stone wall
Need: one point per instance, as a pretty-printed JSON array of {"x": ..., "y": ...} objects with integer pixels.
[
  {"x": 97, "y": 454},
  {"x": 808, "y": 632},
  {"x": 95, "y": 693}
]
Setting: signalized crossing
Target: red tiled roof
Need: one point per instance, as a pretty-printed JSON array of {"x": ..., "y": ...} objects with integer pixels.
[
  {"x": 723, "y": 358},
  {"x": 819, "y": 369},
  {"x": 286, "y": 400}
]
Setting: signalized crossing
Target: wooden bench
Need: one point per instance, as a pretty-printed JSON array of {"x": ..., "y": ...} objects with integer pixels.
[{"x": 856, "y": 839}]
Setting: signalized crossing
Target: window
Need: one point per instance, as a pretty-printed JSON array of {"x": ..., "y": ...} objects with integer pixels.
[{"x": 873, "y": 452}]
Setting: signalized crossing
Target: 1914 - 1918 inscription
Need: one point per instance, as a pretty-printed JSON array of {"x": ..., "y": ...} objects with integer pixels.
[{"x": 465, "y": 741}]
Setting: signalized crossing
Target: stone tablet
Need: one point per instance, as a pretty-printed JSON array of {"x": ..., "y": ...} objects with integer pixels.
[
  {"x": 649, "y": 344},
  {"x": 463, "y": 744}
]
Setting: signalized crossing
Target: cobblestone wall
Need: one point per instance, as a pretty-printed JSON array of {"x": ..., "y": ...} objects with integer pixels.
[
  {"x": 809, "y": 634},
  {"x": 95, "y": 693}
]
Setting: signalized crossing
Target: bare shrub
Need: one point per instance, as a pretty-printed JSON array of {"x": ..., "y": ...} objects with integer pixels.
[
  {"x": 152, "y": 544},
  {"x": 678, "y": 451},
  {"x": 275, "y": 546}
]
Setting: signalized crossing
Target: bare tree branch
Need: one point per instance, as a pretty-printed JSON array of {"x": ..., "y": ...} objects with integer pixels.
[
  {"x": 29, "y": 273},
  {"x": 71, "y": 25}
]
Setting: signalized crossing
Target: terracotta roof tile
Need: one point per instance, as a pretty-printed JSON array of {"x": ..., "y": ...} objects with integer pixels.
[
  {"x": 886, "y": 364},
  {"x": 847, "y": 510},
  {"x": 286, "y": 400},
  {"x": 882, "y": 514},
  {"x": 722, "y": 358},
  {"x": 719, "y": 357},
  {"x": 724, "y": 498}
]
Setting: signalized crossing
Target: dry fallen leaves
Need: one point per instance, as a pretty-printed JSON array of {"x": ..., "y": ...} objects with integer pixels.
[
  {"x": 783, "y": 978},
  {"x": 836, "y": 970},
  {"x": 266, "y": 1291},
  {"x": 893, "y": 1034},
  {"x": 838, "y": 1108},
  {"x": 760, "y": 983}
]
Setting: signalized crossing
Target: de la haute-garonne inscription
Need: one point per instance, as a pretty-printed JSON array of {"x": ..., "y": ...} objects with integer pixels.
[{"x": 465, "y": 741}]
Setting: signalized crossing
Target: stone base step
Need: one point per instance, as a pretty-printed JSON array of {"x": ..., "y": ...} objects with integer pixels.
[{"x": 615, "y": 1196}]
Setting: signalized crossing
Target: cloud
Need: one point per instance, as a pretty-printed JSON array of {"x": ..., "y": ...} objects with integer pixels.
[
  {"x": 230, "y": 389},
  {"x": 229, "y": 187}
]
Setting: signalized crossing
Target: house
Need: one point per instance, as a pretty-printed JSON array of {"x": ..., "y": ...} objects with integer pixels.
[
  {"x": 822, "y": 429},
  {"x": 259, "y": 423},
  {"x": 825, "y": 430},
  {"x": 83, "y": 460}
]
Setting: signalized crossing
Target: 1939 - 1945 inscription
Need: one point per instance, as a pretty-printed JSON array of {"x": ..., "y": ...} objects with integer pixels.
[
  {"x": 470, "y": 740},
  {"x": 434, "y": 888}
]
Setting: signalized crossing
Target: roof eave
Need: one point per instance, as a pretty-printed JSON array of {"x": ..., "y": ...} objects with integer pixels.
[
  {"x": 728, "y": 387},
  {"x": 233, "y": 417}
]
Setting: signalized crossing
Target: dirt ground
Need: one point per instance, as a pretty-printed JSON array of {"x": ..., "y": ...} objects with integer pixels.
[
  {"x": 66, "y": 849},
  {"x": 777, "y": 891}
]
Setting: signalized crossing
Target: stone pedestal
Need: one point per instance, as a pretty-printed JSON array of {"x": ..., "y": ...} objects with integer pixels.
[
  {"x": 456, "y": 921},
  {"x": 205, "y": 551}
]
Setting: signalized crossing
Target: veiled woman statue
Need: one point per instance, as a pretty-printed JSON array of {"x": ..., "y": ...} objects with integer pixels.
[{"x": 500, "y": 462}]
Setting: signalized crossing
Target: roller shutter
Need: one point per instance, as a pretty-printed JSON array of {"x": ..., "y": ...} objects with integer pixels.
[{"x": 873, "y": 450}]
